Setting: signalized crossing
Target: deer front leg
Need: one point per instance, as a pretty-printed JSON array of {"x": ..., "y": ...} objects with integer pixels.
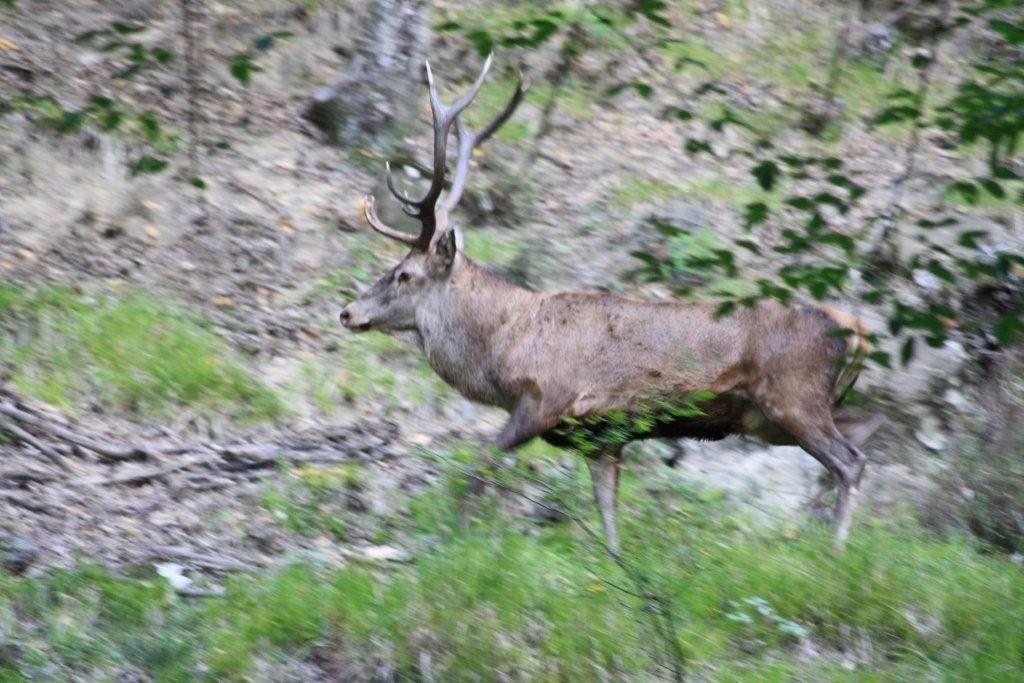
[
  {"x": 523, "y": 424},
  {"x": 604, "y": 475}
]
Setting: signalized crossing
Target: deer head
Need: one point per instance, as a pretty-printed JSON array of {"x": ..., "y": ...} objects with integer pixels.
[{"x": 390, "y": 305}]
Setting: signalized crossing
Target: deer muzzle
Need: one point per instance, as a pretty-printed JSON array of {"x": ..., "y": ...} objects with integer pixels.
[{"x": 353, "y": 320}]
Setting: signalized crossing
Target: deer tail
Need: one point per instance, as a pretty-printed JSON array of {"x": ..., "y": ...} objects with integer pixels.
[{"x": 858, "y": 345}]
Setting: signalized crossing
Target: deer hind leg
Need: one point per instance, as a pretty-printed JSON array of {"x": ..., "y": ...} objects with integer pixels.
[
  {"x": 815, "y": 432},
  {"x": 604, "y": 476}
]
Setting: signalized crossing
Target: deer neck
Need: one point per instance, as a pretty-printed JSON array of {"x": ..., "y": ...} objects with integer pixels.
[{"x": 461, "y": 327}]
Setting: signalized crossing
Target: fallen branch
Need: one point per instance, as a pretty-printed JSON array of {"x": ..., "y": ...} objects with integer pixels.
[
  {"x": 19, "y": 478},
  {"x": 30, "y": 505},
  {"x": 148, "y": 475},
  {"x": 21, "y": 435},
  {"x": 256, "y": 456},
  {"x": 199, "y": 559},
  {"x": 104, "y": 450}
]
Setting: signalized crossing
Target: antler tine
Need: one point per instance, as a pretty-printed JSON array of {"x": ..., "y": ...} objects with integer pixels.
[
  {"x": 403, "y": 197},
  {"x": 425, "y": 209},
  {"x": 443, "y": 117},
  {"x": 470, "y": 140},
  {"x": 522, "y": 85},
  {"x": 370, "y": 214}
]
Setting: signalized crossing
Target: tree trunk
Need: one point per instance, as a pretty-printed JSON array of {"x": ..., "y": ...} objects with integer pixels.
[{"x": 378, "y": 91}]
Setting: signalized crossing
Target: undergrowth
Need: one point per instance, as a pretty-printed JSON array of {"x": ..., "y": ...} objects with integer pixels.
[{"x": 508, "y": 599}]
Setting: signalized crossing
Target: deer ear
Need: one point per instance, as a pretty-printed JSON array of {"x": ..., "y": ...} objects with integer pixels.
[{"x": 444, "y": 254}]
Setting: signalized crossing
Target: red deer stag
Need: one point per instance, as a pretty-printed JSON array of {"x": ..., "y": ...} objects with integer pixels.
[{"x": 595, "y": 370}]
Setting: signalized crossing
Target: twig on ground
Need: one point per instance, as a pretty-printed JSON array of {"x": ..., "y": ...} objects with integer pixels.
[
  {"x": 21, "y": 435},
  {"x": 30, "y": 505},
  {"x": 200, "y": 559},
  {"x": 149, "y": 474},
  {"x": 104, "y": 450}
]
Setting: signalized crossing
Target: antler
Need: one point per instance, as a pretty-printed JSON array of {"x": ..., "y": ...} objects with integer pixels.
[{"x": 434, "y": 221}]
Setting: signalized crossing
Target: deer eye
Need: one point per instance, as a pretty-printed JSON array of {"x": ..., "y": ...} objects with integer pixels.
[{"x": 403, "y": 277}]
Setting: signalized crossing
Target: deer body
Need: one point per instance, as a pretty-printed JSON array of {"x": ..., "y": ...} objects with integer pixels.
[
  {"x": 594, "y": 370},
  {"x": 586, "y": 354}
]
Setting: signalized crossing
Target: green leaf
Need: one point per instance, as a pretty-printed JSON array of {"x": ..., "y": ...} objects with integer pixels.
[
  {"x": 880, "y": 357},
  {"x": 162, "y": 55},
  {"x": 1013, "y": 33},
  {"x": 966, "y": 190},
  {"x": 124, "y": 28},
  {"x": 929, "y": 224},
  {"x": 111, "y": 119},
  {"x": 263, "y": 43},
  {"x": 482, "y": 41},
  {"x": 130, "y": 71},
  {"x": 1008, "y": 327},
  {"x": 766, "y": 173},
  {"x": 831, "y": 199},
  {"x": 895, "y": 114},
  {"x": 70, "y": 122},
  {"x": 748, "y": 245},
  {"x": 907, "y": 350},
  {"x": 803, "y": 203},
  {"x": 940, "y": 271},
  {"x": 647, "y": 258},
  {"x": 969, "y": 238},
  {"x": 542, "y": 30},
  {"x": 676, "y": 113},
  {"x": 242, "y": 67},
  {"x": 694, "y": 146},
  {"x": 642, "y": 89},
  {"x": 198, "y": 182},
  {"x": 148, "y": 164},
  {"x": 149, "y": 126},
  {"x": 754, "y": 213},
  {"x": 88, "y": 37},
  {"x": 992, "y": 187},
  {"x": 651, "y": 9}
]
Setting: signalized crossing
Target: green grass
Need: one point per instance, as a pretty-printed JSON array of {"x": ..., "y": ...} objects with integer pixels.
[
  {"x": 732, "y": 194},
  {"x": 491, "y": 247},
  {"x": 126, "y": 352},
  {"x": 640, "y": 190},
  {"x": 509, "y": 598}
]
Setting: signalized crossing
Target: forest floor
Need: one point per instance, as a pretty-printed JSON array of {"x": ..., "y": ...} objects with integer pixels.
[{"x": 237, "y": 489}]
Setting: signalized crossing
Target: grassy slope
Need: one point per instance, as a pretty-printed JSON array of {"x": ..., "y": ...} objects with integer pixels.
[
  {"x": 507, "y": 598},
  {"x": 127, "y": 352}
]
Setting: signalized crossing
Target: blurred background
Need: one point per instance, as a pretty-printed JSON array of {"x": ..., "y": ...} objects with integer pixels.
[{"x": 203, "y": 477}]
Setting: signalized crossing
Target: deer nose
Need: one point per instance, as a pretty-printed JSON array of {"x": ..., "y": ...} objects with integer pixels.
[{"x": 345, "y": 316}]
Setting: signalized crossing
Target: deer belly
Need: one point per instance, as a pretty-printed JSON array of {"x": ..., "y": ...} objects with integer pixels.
[{"x": 717, "y": 418}]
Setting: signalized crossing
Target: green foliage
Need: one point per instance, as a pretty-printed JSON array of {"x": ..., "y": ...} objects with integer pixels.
[
  {"x": 806, "y": 243},
  {"x": 574, "y": 27},
  {"x": 618, "y": 427},
  {"x": 126, "y": 352},
  {"x": 108, "y": 115}
]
